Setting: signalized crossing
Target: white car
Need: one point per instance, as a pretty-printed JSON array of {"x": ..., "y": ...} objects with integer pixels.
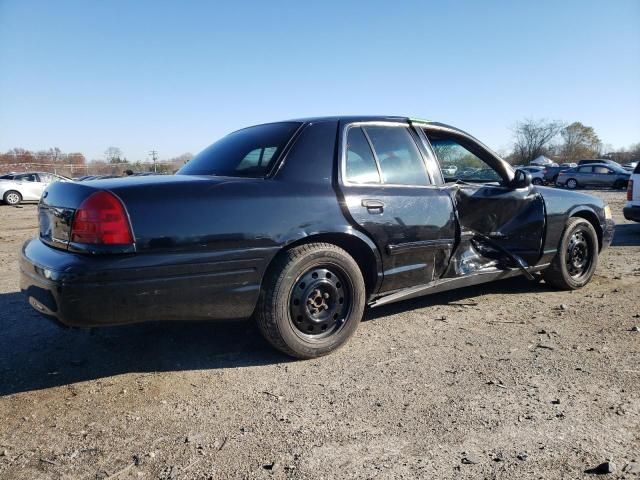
[
  {"x": 631, "y": 210},
  {"x": 26, "y": 187},
  {"x": 537, "y": 174}
]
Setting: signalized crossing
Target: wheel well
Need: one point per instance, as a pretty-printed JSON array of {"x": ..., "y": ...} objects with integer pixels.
[
  {"x": 593, "y": 220},
  {"x": 357, "y": 248}
]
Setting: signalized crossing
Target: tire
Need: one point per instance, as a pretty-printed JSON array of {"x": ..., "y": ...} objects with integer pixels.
[
  {"x": 537, "y": 181},
  {"x": 572, "y": 184},
  {"x": 12, "y": 197},
  {"x": 312, "y": 300},
  {"x": 620, "y": 185},
  {"x": 577, "y": 257}
]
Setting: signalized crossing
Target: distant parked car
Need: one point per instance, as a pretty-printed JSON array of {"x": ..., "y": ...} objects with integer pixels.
[
  {"x": 594, "y": 175},
  {"x": 630, "y": 166},
  {"x": 551, "y": 173},
  {"x": 599, "y": 161},
  {"x": 569, "y": 165},
  {"x": 26, "y": 187},
  {"x": 631, "y": 210},
  {"x": 537, "y": 174}
]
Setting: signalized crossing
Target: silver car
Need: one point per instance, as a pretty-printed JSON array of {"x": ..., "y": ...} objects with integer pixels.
[
  {"x": 26, "y": 187},
  {"x": 594, "y": 175}
]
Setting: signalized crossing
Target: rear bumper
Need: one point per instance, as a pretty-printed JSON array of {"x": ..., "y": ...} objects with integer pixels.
[
  {"x": 632, "y": 213},
  {"x": 86, "y": 291}
]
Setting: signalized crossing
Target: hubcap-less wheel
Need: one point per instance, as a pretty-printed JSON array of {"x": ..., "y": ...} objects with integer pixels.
[
  {"x": 578, "y": 256},
  {"x": 12, "y": 198},
  {"x": 320, "y": 302},
  {"x": 571, "y": 183}
]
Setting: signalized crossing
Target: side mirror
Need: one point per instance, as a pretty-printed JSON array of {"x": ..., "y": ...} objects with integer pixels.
[{"x": 521, "y": 179}]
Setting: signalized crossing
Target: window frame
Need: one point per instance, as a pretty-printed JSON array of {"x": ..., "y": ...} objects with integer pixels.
[{"x": 382, "y": 184}]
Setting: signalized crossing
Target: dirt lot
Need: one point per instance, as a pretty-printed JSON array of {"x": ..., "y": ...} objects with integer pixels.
[{"x": 507, "y": 380}]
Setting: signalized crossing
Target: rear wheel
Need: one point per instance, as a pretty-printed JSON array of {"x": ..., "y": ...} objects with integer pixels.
[
  {"x": 537, "y": 181},
  {"x": 572, "y": 184},
  {"x": 12, "y": 197},
  {"x": 312, "y": 300},
  {"x": 577, "y": 257}
]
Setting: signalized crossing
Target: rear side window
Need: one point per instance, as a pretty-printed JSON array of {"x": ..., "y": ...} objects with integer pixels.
[
  {"x": 603, "y": 170},
  {"x": 361, "y": 164},
  {"x": 398, "y": 155},
  {"x": 585, "y": 169},
  {"x": 250, "y": 152}
]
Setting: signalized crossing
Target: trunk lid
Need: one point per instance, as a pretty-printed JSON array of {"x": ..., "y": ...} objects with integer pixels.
[{"x": 143, "y": 197}]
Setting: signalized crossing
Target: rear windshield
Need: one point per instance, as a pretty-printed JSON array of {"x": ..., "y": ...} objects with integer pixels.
[{"x": 250, "y": 152}]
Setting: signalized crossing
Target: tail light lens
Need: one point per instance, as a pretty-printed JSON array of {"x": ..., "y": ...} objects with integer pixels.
[
  {"x": 101, "y": 220},
  {"x": 630, "y": 190}
]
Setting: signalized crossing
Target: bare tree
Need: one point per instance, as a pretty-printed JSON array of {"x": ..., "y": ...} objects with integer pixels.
[
  {"x": 534, "y": 138},
  {"x": 113, "y": 155}
]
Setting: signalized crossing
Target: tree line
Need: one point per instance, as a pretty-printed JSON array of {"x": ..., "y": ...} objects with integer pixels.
[
  {"x": 563, "y": 143},
  {"x": 531, "y": 138}
]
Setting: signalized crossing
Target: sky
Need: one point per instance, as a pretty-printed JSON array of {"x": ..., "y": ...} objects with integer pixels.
[{"x": 176, "y": 76}]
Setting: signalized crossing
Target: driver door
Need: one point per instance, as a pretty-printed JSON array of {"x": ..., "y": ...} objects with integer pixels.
[{"x": 489, "y": 211}]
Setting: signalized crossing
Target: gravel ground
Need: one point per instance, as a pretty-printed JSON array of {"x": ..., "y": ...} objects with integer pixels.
[{"x": 506, "y": 380}]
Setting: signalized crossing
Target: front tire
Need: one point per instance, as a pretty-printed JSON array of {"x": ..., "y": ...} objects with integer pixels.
[
  {"x": 12, "y": 197},
  {"x": 572, "y": 184},
  {"x": 312, "y": 300},
  {"x": 577, "y": 257}
]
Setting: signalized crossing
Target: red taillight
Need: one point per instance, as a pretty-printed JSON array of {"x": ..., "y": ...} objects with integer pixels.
[
  {"x": 101, "y": 219},
  {"x": 630, "y": 190}
]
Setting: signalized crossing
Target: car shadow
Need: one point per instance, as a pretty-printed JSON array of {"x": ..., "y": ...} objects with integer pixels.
[
  {"x": 36, "y": 353},
  {"x": 626, "y": 235}
]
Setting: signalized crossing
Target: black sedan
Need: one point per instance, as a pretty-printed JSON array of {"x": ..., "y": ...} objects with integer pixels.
[{"x": 301, "y": 224}]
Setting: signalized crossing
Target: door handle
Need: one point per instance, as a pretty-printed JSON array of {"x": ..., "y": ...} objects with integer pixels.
[{"x": 373, "y": 206}]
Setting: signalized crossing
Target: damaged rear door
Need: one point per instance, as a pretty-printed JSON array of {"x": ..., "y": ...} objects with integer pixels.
[{"x": 501, "y": 225}]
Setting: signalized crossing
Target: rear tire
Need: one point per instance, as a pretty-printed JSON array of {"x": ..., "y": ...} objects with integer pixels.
[
  {"x": 572, "y": 184},
  {"x": 620, "y": 185},
  {"x": 312, "y": 300},
  {"x": 12, "y": 197},
  {"x": 537, "y": 181},
  {"x": 577, "y": 257}
]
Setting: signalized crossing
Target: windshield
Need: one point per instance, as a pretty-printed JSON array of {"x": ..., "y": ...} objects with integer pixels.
[{"x": 249, "y": 152}]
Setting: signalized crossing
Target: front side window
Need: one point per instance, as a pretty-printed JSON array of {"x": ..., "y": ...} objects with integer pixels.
[
  {"x": 398, "y": 155},
  {"x": 250, "y": 152},
  {"x": 361, "y": 164},
  {"x": 458, "y": 163}
]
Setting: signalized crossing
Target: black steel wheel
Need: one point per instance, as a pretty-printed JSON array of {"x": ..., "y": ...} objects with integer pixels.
[
  {"x": 577, "y": 257},
  {"x": 312, "y": 300},
  {"x": 320, "y": 301}
]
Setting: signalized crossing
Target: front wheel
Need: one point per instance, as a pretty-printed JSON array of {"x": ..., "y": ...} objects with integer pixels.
[
  {"x": 312, "y": 300},
  {"x": 620, "y": 185},
  {"x": 577, "y": 257},
  {"x": 12, "y": 197}
]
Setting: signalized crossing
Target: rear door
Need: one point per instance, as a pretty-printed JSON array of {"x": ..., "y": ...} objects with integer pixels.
[
  {"x": 585, "y": 175},
  {"x": 389, "y": 193},
  {"x": 30, "y": 186},
  {"x": 491, "y": 213}
]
